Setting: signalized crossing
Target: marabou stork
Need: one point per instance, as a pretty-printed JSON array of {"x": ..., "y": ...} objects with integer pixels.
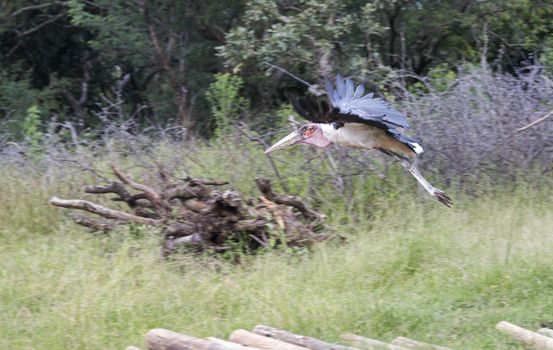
[{"x": 345, "y": 117}]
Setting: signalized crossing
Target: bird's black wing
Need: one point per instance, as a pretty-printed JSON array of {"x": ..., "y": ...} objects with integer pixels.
[{"x": 346, "y": 103}]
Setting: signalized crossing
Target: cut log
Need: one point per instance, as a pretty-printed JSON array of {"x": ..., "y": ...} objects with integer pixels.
[
  {"x": 546, "y": 331},
  {"x": 526, "y": 337},
  {"x": 163, "y": 339},
  {"x": 230, "y": 345},
  {"x": 368, "y": 343},
  {"x": 300, "y": 340},
  {"x": 244, "y": 337},
  {"x": 415, "y": 344}
]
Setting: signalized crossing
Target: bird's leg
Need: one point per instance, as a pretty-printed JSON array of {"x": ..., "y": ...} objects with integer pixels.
[{"x": 434, "y": 192}]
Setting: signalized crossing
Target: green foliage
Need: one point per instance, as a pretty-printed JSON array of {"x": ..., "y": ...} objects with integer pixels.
[
  {"x": 546, "y": 58},
  {"x": 31, "y": 127},
  {"x": 16, "y": 97},
  {"x": 227, "y": 105},
  {"x": 303, "y": 35},
  {"x": 166, "y": 53}
]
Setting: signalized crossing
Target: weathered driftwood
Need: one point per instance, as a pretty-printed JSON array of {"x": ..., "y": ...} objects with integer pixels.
[
  {"x": 526, "y": 337},
  {"x": 265, "y": 187},
  {"x": 163, "y": 339},
  {"x": 95, "y": 224},
  {"x": 244, "y": 337},
  {"x": 415, "y": 344},
  {"x": 546, "y": 331},
  {"x": 197, "y": 213},
  {"x": 300, "y": 340},
  {"x": 101, "y": 210},
  {"x": 368, "y": 343},
  {"x": 230, "y": 345}
]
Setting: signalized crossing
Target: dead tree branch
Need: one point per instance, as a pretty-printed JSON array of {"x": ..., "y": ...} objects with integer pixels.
[
  {"x": 100, "y": 210},
  {"x": 264, "y": 186},
  {"x": 536, "y": 121},
  {"x": 197, "y": 213}
]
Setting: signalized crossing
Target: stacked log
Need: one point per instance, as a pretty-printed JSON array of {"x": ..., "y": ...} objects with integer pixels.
[
  {"x": 163, "y": 339},
  {"x": 546, "y": 331},
  {"x": 415, "y": 344},
  {"x": 244, "y": 337},
  {"x": 528, "y": 338},
  {"x": 267, "y": 338},
  {"x": 368, "y": 343},
  {"x": 296, "y": 339},
  {"x": 201, "y": 214}
]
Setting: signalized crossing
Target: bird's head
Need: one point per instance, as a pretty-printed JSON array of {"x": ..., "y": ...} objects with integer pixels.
[{"x": 311, "y": 134}]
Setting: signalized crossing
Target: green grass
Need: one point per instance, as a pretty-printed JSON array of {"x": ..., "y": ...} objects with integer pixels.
[{"x": 410, "y": 267}]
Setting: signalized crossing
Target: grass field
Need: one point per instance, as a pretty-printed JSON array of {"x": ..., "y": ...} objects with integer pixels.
[
  {"x": 409, "y": 267},
  {"x": 420, "y": 270}
]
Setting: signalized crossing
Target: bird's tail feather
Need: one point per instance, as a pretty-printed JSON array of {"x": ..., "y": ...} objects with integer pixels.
[{"x": 408, "y": 141}]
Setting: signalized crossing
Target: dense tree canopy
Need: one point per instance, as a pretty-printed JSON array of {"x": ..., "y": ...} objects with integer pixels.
[{"x": 156, "y": 59}]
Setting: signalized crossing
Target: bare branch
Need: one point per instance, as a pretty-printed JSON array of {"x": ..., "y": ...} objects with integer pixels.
[
  {"x": 101, "y": 210},
  {"x": 207, "y": 182},
  {"x": 34, "y": 29},
  {"x": 150, "y": 193},
  {"x": 264, "y": 186},
  {"x": 536, "y": 121},
  {"x": 245, "y": 130},
  {"x": 36, "y": 7},
  {"x": 96, "y": 224},
  {"x": 114, "y": 187}
]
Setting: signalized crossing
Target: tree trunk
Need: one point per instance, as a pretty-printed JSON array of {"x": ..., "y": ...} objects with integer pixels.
[
  {"x": 163, "y": 339},
  {"x": 415, "y": 344},
  {"x": 526, "y": 337},
  {"x": 368, "y": 343},
  {"x": 244, "y": 337},
  {"x": 300, "y": 340}
]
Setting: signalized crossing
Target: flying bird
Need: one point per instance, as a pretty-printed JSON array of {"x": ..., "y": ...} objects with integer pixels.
[{"x": 344, "y": 116}]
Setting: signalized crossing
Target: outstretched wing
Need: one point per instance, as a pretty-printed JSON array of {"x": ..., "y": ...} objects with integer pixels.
[{"x": 346, "y": 104}]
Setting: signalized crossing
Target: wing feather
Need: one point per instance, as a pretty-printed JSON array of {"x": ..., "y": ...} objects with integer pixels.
[
  {"x": 346, "y": 104},
  {"x": 367, "y": 108},
  {"x": 359, "y": 91}
]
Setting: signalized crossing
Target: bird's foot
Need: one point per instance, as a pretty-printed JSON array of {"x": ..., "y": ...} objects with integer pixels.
[{"x": 442, "y": 197}]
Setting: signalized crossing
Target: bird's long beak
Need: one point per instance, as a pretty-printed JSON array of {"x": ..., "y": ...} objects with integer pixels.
[{"x": 292, "y": 139}]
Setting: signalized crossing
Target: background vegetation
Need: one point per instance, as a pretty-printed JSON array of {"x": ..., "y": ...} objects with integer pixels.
[
  {"x": 159, "y": 57},
  {"x": 188, "y": 84}
]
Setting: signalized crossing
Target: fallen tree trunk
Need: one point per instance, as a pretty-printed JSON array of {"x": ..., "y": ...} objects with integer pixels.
[
  {"x": 546, "y": 331},
  {"x": 300, "y": 340},
  {"x": 244, "y": 337},
  {"x": 415, "y": 344},
  {"x": 526, "y": 337},
  {"x": 163, "y": 339},
  {"x": 230, "y": 345},
  {"x": 196, "y": 213},
  {"x": 368, "y": 343}
]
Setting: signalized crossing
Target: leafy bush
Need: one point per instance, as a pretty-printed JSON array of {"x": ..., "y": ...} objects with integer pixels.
[{"x": 227, "y": 105}]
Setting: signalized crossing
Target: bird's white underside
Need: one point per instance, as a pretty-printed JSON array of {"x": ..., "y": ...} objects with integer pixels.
[
  {"x": 354, "y": 135},
  {"x": 357, "y": 135}
]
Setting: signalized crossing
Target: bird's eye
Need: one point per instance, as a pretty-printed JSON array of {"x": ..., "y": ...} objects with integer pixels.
[{"x": 309, "y": 131}]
